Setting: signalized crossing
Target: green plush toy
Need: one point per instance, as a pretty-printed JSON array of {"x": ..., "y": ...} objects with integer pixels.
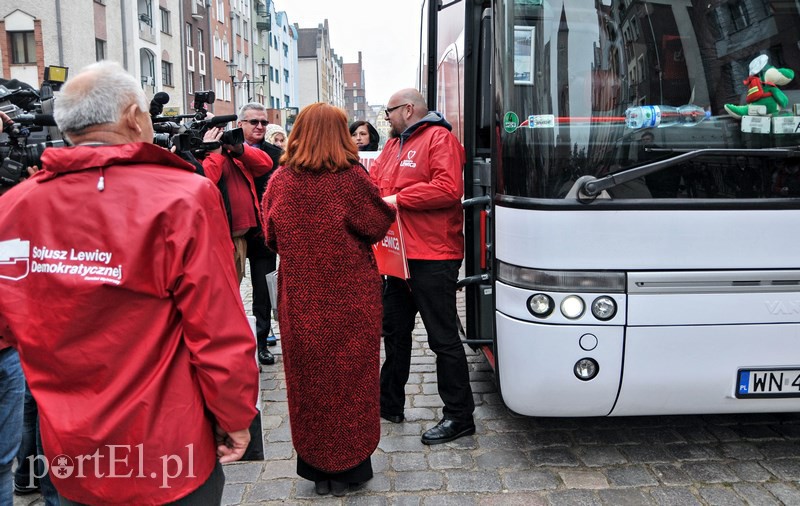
[{"x": 764, "y": 98}]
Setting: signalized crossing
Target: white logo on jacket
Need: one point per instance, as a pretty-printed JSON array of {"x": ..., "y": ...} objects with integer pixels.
[
  {"x": 408, "y": 162},
  {"x": 15, "y": 259}
]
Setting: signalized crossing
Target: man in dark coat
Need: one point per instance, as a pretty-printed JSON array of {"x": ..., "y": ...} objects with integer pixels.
[{"x": 253, "y": 122}]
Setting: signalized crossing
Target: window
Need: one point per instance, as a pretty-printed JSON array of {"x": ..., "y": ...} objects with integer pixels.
[
  {"x": 285, "y": 76},
  {"x": 166, "y": 73},
  {"x": 165, "y": 27},
  {"x": 99, "y": 49},
  {"x": 285, "y": 51},
  {"x": 739, "y": 14},
  {"x": 188, "y": 34},
  {"x": 190, "y": 83},
  {"x": 286, "y": 100},
  {"x": 23, "y": 47},
  {"x": 245, "y": 30},
  {"x": 200, "y": 40},
  {"x": 221, "y": 10},
  {"x": 217, "y": 47},
  {"x": 225, "y": 50},
  {"x": 146, "y": 13}
]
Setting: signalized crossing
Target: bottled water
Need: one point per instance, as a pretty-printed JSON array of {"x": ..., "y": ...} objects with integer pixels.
[{"x": 649, "y": 116}]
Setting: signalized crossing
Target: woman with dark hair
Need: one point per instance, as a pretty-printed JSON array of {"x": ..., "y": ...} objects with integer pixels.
[
  {"x": 365, "y": 135},
  {"x": 321, "y": 214}
]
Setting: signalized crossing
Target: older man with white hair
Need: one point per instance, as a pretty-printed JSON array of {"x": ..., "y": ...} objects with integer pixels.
[{"x": 125, "y": 307}]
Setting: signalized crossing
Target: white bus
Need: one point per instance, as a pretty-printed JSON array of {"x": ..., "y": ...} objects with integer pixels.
[{"x": 632, "y": 199}]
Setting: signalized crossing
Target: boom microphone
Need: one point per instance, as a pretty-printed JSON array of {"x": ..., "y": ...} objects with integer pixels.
[
  {"x": 35, "y": 119},
  {"x": 158, "y": 102},
  {"x": 216, "y": 120}
]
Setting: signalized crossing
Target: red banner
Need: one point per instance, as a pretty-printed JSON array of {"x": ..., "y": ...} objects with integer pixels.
[{"x": 390, "y": 253}]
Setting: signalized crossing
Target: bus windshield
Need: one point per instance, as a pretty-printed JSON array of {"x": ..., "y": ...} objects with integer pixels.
[{"x": 596, "y": 87}]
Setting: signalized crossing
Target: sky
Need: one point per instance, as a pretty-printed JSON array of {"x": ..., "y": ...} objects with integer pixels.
[{"x": 385, "y": 31}]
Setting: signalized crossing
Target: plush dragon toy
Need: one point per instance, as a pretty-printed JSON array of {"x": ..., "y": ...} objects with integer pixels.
[{"x": 764, "y": 98}]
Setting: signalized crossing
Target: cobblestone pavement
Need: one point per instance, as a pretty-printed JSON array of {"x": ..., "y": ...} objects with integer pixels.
[{"x": 668, "y": 460}]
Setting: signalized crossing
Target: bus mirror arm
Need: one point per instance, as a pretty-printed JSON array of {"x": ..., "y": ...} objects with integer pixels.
[
  {"x": 587, "y": 188},
  {"x": 471, "y": 280},
  {"x": 483, "y": 200}
]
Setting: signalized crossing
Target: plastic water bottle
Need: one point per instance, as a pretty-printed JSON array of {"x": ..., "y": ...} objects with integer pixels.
[{"x": 649, "y": 116}]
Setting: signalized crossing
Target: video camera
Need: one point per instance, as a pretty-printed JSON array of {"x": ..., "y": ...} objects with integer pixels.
[
  {"x": 188, "y": 137},
  {"x": 31, "y": 127}
]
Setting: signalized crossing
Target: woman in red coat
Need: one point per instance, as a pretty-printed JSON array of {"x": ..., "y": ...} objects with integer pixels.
[{"x": 321, "y": 214}]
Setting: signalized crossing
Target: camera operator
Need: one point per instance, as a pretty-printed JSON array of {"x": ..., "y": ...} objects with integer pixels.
[
  {"x": 12, "y": 390},
  {"x": 5, "y": 120},
  {"x": 144, "y": 343},
  {"x": 237, "y": 166},
  {"x": 254, "y": 124}
]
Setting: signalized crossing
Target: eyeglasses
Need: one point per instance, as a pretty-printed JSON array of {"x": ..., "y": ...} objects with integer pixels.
[
  {"x": 256, "y": 122},
  {"x": 388, "y": 110}
]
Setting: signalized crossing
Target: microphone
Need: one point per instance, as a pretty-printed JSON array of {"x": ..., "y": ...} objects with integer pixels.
[
  {"x": 35, "y": 119},
  {"x": 158, "y": 102},
  {"x": 216, "y": 120}
]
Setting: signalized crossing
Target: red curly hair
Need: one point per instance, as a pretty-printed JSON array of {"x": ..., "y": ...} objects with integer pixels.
[{"x": 320, "y": 140}]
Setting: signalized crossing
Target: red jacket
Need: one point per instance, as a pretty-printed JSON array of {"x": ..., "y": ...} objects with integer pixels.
[
  {"x": 424, "y": 168},
  {"x": 126, "y": 312},
  {"x": 252, "y": 163}
]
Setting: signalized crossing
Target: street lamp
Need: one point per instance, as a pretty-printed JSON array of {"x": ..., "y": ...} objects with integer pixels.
[
  {"x": 263, "y": 69},
  {"x": 232, "y": 71}
]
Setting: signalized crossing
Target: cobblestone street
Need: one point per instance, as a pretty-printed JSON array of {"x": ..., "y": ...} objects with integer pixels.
[
  {"x": 676, "y": 460},
  {"x": 680, "y": 460}
]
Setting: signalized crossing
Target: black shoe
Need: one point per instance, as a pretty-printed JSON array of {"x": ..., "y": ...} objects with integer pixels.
[
  {"x": 322, "y": 487},
  {"x": 446, "y": 431},
  {"x": 393, "y": 418},
  {"x": 272, "y": 341},
  {"x": 265, "y": 357},
  {"x": 339, "y": 488}
]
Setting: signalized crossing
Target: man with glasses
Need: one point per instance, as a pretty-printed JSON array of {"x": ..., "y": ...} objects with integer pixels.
[
  {"x": 419, "y": 171},
  {"x": 253, "y": 122},
  {"x": 237, "y": 166}
]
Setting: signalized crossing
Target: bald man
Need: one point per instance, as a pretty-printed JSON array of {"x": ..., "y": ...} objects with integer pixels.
[
  {"x": 419, "y": 170},
  {"x": 122, "y": 300}
]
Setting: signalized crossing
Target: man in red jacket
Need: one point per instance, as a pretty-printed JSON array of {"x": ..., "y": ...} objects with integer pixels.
[
  {"x": 119, "y": 292},
  {"x": 238, "y": 166},
  {"x": 419, "y": 170}
]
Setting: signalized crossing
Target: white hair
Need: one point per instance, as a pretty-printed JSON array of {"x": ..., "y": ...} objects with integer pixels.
[
  {"x": 112, "y": 90},
  {"x": 251, "y": 106}
]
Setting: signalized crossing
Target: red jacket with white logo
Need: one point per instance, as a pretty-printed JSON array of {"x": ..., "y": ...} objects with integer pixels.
[
  {"x": 424, "y": 169},
  {"x": 126, "y": 312}
]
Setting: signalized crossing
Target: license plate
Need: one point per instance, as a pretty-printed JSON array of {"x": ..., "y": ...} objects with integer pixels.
[{"x": 768, "y": 383}]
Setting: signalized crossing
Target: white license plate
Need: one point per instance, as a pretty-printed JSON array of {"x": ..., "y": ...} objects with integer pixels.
[{"x": 768, "y": 383}]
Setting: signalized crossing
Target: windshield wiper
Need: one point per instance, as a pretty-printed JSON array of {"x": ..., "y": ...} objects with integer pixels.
[{"x": 587, "y": 188}]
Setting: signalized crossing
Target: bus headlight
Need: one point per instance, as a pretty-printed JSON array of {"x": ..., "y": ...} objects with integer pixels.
[
  {"x": 540, "y": 305},
  {"x": 572, "y": 307},
  {"x": 604, "y": 308},
  {"x": 586, "y": 369}
]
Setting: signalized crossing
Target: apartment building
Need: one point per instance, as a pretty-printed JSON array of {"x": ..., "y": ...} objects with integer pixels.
[{"x": 320, "y": 74}]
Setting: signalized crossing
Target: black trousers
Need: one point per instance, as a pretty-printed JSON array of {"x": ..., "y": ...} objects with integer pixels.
[
  {"x": 431, "y": 292},
  {"x": 209, "y": 493},
  {"x": 260, "y": 266}
]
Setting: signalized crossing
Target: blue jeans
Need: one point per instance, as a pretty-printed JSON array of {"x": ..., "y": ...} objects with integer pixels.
[
  {"x": 31, "y": 471},
  {"x": 431, "y": 291},
  {"x": 12, "y": 391}
]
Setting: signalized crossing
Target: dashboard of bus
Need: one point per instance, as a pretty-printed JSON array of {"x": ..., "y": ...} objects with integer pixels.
[{"x": 585, "y": 88}]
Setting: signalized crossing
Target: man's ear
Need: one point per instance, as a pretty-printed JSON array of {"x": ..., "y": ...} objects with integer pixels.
[{"x": 130, "y": 120}]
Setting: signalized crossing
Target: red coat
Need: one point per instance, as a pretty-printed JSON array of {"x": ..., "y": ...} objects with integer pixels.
[
  {"x": 128, "y": 320},
  {"x": 424, "y": 169},
  {"x": 252, "y": 163},
  {"x": 329, "y": 292}
]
